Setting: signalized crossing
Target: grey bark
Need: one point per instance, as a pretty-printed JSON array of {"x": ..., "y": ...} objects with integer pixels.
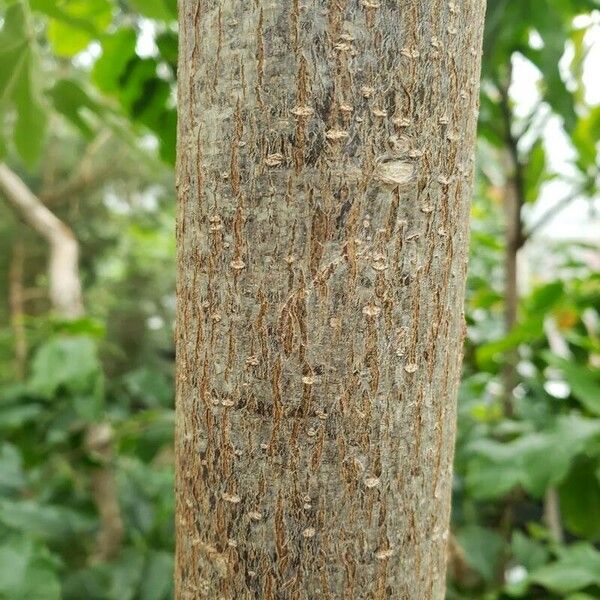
[{"x": 324, "y": 179}]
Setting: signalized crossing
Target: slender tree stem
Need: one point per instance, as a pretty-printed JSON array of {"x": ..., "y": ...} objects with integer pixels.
[
  {"x": 67, "y": 302},
  {"x": 17, "y": 307}
]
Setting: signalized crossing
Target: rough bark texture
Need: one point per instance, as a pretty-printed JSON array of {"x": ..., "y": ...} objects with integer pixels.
[{"x": 324, "y": 177}]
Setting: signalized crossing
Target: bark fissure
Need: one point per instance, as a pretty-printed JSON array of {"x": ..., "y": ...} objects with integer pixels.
[{"x": 324, "y": 177}]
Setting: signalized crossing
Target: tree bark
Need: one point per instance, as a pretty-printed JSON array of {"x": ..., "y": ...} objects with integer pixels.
[{"x": 324, "y": 181}]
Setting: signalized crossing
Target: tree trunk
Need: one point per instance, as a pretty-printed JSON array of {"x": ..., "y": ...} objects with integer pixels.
[{"x": 324, "y": 178}]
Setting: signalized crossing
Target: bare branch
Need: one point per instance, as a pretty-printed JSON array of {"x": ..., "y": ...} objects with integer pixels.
[
  {"x": 17, "y": 310},
  {"x": 551, "y": 213},
  {"x": 66, "y": 298},
  {"x": 63, "y": 270},
  {"x": 84, "y": 177}
]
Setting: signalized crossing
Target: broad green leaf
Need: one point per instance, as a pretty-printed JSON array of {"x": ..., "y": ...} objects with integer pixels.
[
  {"x": 482, "y": 548},
  {"x": 15, "y": 416},
  {"x": 545, "y": 297},
  {"x": 167, "y": 44},
  {"x": 31, "y": 120},
  {"x": 167, "y": 130},
  {"x": 580, "y": 500},
  {"x": 528, "y": 552},
  {"x": 70, "y": 100},
  {"x": 577, "y": 567},
  {"x": 66, "y": 361},
  {"x": 535, "y": 171},
  {"x": 67, "y": 35},
  {"x": 549, "y": 455},
  {"x": 149, "y": 387},
  {"x": 27, "y": 571},
  {"x": 11, "y": 469},
  {"x": 553, "y": 26},
  {"x": 524, "y": 332},
  {"x": 118, "y": 49},
  {"x": 47, "y": 522},
  {"x": 534, "y": 461},
  {"x": 157, "y": 578},
  {"x": 19, "y": 85},
  {"x": 491, "y": 476},
  {"x": 61, "y": 10},
  {"x": 583, "y": 381},
  {"x": 164, "y": 10},
  {"x": 585, "y": 139},
  {"x": 126, "y": 575}
]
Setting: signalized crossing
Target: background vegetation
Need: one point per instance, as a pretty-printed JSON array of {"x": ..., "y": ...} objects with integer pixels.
[{"x": 87, "y": 120}]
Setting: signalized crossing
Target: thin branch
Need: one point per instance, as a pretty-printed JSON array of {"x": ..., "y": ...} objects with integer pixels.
[
  {"x": 552, "y": 515},
  {"x": 66, "y": 298},
  {"x": 100, "y": 445},
  {"x": 63, "y": 270},
  {"x": 515, "y": 237},
  {"x": 17, "y": 306},
  {"x": 84, "y": 177},
  {"x": 83, "y": 180},
  {"x": 551, "y": 213}
]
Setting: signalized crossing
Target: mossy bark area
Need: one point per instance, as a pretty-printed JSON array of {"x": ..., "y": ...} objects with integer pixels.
[{"x": 324, "y": 178}]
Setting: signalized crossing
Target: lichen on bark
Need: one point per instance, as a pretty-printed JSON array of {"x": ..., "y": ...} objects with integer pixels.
[{"x": 324, "y": 177}]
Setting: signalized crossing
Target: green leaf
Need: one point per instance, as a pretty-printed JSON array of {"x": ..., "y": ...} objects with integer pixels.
[
  {"x": 577, "y": 567},
  {"x": 47, "y": 522},
  {"x": 580, "y": 500},
  {"x": 11, "y": 470},
  {"x": 492, "y": 473},
  {"x": 545, "y": 297},
  {"x": 66, "y": 361},
  {"x": 585, "y": 138},
  {"x": 549, "y": 455},
  {"x": 164, "y": 10},
  {"x": 78, "y": 24},
  {"x": 31, "y": 121},
  {"x": 19, "y": 85},
  {"x": 13, "y": 417},
  {"x": 584, "y": 381},
  {"x": 158, "y": 575},
  {"x": 167, "y": 44},
  {"x": 149, "y": 386},
  {"x": 534, "y": 461},
  {"x": 70, "y": 100},
  {"x": 525, "y": 332},
  {"x": 553, "y": 25},
  {"x": 528, "y": 552},
  {"x": 535, "y": 171},
  {"x": 126, "y": 575},
  {"x": 482, "y": 548},
  {"x": 118, "y": 50},
  {"x": 27, "y": 571}
]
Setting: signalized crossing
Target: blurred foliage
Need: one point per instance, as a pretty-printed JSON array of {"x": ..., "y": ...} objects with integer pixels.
[{"x": 87, "y": 117}]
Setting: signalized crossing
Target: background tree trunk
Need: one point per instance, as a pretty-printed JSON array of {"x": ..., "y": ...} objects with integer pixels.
[
  {"x": 64, "y": 286},
  {"x": 324, "y": 177}
]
